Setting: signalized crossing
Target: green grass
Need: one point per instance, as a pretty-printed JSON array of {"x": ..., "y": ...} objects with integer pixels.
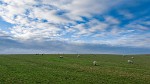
[{"x": 50, "y": 69}]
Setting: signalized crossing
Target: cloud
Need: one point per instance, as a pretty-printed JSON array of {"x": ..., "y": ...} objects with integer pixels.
[
  {"x": 87, "y": 7},
  {"x": 111, "y": 20},
  {"x": 90, "y": 27},
  {"x": 139, "y": 25},
  {"x": 126, "y": 14},
  {"x": 134, "y": 40},
  {"x": 4, "y": 34},
  {"x": 48, "y": 18},
  {"x": 13, "y": 47}
]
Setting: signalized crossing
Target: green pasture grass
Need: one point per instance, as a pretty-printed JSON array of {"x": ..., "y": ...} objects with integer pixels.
[{"x": 50, "y": 69}]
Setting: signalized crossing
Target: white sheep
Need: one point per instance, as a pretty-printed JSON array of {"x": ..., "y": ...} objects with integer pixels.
[
  {"x": 132, "y": 57},
  {"x": 60, "y": 56},
  {"x": 94, "y": 63},
  {"x": 130, "y": 61}
]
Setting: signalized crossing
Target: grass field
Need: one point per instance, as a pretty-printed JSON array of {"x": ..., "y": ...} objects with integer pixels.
[{"x": 50, "y": 69}]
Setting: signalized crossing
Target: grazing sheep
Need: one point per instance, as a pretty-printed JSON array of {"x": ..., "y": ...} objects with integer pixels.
[
  {"x": 94, "y": 63},
  {"x": 132, "y": 57},
  {"x": 130, "y": 61},
  {"x": 60, "y": 56}
]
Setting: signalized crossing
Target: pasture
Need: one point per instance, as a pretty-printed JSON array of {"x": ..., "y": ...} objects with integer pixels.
[{"x": 51, "y": 69}]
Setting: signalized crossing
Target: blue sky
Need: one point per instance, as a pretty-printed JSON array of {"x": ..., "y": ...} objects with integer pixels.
[{"x": 75, "y": 26}]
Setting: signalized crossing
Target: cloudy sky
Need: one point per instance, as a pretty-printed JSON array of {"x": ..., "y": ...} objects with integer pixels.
[{"x": 75, "y": 26}]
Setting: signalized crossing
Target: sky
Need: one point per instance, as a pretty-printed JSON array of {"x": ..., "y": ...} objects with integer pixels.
[{"x": 75, "y": 26}]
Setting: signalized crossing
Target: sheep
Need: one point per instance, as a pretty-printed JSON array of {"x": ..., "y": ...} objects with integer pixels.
[
  {"x": 130, "y": 61},
  {"x": 94, "y": 63},
  {"x": 60, "y": 56},
  {"x": 132, "y": 57}
]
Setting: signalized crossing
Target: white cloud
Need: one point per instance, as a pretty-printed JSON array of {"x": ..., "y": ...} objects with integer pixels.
[
  {"x": 26, "y": 33},
  {"x": 28, "y": 15},
  {"x": 49, "y": 15},
  {"x": 147, "y": 23},
  {"x": 111, "y": 20},
  {"x": 89, "y": 28},
  {"x": 134, "y": 40},
  {"x": 4, "y": 33},
  {"x": 126, "y": 14},
  {"x": 77, "y": 8},
  {"x": 140, "y": 25}
]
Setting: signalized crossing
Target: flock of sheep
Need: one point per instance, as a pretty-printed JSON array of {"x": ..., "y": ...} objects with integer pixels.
[{"x": 95, "y": 62}]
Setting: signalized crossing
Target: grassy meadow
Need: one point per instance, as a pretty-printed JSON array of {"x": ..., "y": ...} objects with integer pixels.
[{"x": 50, "y": 69}]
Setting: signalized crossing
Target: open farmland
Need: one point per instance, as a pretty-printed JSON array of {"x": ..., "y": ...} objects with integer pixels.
[{"x": 50, "y": 69}]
